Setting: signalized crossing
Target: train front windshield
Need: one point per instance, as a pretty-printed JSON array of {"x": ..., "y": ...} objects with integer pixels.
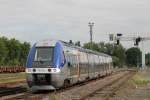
[{"x": 43, "y": 57}]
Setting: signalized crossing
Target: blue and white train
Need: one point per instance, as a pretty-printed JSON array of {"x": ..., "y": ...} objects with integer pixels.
[{"x": 53, "y": 64}]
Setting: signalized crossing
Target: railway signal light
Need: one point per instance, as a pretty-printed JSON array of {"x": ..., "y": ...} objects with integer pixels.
[
  {"x": 119, "y": 34},
  {"x": 70, "y": 42},
  {"x": 137, "y": 40},
  {"x": 78, "y": 43},
  {"x": 118, "y": 42}
]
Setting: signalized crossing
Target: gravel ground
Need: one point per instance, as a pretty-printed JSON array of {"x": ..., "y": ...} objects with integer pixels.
[
  {"x": 109, "y": 91},
  {"x": 140, "y": 90},
  {"x": 82, "y": 91}
]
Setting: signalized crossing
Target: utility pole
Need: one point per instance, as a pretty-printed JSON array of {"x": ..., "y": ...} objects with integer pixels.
[
  {"x": 91, "y": 24},
  {"x": 143, "y": 54}
]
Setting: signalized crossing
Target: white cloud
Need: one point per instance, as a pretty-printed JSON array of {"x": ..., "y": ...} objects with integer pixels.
[{"x": 32, "y": 20}]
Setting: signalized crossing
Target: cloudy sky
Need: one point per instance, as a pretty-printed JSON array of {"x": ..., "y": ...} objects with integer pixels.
[{"x": 33, "y": 20}]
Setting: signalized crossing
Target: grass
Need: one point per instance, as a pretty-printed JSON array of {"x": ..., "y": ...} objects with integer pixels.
[
  {"x": 141, "y": 78},
  {"x": 52, "y": 97},
  {"x": 12, "y": 77}
]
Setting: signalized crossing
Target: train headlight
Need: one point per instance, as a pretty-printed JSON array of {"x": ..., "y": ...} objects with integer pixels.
[
  {"x": 49, "y": 70},
  {"x": 28, "y": 70},
  {"x": 54, "y": 70},
  {"x": 34, "y": 70}
]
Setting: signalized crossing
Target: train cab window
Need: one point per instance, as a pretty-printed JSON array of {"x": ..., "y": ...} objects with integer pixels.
[{"x": 43, "y": 55}]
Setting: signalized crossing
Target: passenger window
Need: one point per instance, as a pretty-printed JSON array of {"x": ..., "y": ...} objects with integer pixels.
[{"x": 69, "y": 64}]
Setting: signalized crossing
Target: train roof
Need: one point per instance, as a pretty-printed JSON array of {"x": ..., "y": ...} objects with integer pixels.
[
  {"x": 46, "y": 42},
  {"x": 84, "y": 50},
  {"x": 51, "y": 42}
]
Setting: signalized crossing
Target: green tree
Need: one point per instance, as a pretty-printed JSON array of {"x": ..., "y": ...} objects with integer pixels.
[
  {"x": 147, "y": 59},
  {"x": 3, "y": 52},
  {"x": 78, "y": 43},
  {"x": 115, "y": 61},
  {"x": 25, "y": 47},
  {"x": 13, "y": 52},
  {"x": 102, "y": 47},
  {"x": 116, "y": 51},
  {"x": 93, "y": 46},
  {"x": 133, "y": 56},
  {"x": 119, "y": 52},
  {"x": 109, "y": 49}
]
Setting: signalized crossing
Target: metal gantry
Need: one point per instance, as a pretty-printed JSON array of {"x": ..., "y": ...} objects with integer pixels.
[{"x": 118, "y": 37}]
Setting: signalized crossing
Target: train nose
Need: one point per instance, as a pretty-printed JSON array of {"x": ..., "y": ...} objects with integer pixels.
[{"x": 42, "y": 79}]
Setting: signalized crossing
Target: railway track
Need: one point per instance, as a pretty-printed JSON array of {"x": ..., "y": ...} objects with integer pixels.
[
  {"x": 4, "y": 91},
  {"x": 109, "y": 90},
  {"x": 81, "y": 91}
]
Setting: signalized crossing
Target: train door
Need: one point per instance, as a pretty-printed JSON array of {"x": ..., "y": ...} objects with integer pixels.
[
  {"x": 104, "y": 67},
  {"x": 90, "y": 65},
  {"x": 106, "y": 64},
  {"x": 99, "y": 65},
  {"x": 72, "y": 67},
  {"x": 89, "y": 57},
  {"x": 75, "y": 68},
  {"x": 87, "y": 65},
  {"x": 78, "y": 66},
  {"x": 82, "y": 66},
  {"x": 93, "y": 65},
  {"x": 68, "y": 65}
]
